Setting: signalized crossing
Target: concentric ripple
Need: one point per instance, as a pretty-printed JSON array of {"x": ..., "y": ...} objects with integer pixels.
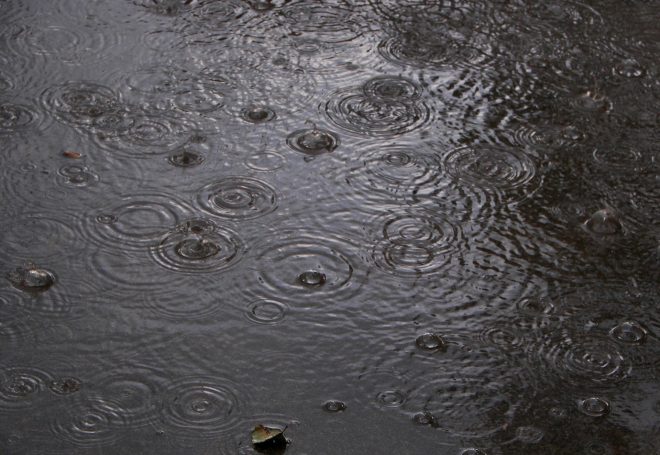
[
  {"x": 90, "y": 422},
  {"x": 415, "y": 242},
  {"x": 304, "y": 267},
  {"x": 80, "y": 103},
  {"x": 500, "y": 169},
  {"x": 393, "y": 88},
  {"x": 166, "y": 7},
  {"x": 436, "y": 54},
  {"x": 135, "y": 221},
  {"x": 16, "y": 117},
  {"x": 149, "y": 133},
  {"x": 266, "y": 311},
  {"x": 238, "y": 198},
  {"x": 465, "y": 406},
  {"x": 135, "y": 390},
  {"x": 20, "y": 387},
  {"x": 391, "y": 172},
  {"x": 65, "y": 44},
  {"x": 328, "y": 23},
  {"x": 577, "y": 359},
  {"x": 77, "y": 176},
  {"x": 198, "y": 246},
  {"x": 202, "y": 406},
  {"x": 24, "y": 236},
  {"x": 384, "y": 116},
  {"x": 176, "y": 303}
]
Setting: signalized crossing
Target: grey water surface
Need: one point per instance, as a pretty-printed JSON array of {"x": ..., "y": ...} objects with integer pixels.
[{"x": 390, "y": 226}]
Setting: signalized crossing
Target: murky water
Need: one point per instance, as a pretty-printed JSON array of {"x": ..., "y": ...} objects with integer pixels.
[{"x": 392, "y": 226}]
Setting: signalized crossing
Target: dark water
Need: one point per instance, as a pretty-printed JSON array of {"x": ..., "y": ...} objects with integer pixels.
[{"x": 395, "y": 226}]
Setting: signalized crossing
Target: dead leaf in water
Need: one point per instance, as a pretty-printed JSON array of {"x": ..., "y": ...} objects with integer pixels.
[
  {"x": 72, "y": 155},
  {"x": 268, "y": 436}
]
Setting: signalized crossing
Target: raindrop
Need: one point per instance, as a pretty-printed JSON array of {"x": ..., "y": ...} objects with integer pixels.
[
  {"x": 425, "y": 418},
  {"x": 31, "y": 278},
  {"x": 106, "y": 219},
  {"x": 65, "y": 386},
  {"x": 593, "y": 102},
  {"x": 529, "y": 435},
  {"x": 629, "y": 68},
  {"x": 594, "y": 407},
  {"x": 238, "y": 198},
  {"x": 391, "y": 398}
]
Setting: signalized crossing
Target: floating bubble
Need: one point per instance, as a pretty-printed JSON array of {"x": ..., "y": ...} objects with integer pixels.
[
  {"x": 185, "y": 158},
  {"x": 258, "y": 114},
  {"x": 312, "y": 279},
  {"x": 313, "y": 141},
  {"x": 431, "y": 342},
  {"x": 604, "y": 222},
  {"x": 238, "y": 198},
  {"x": 594, "y": 407},
  {"x": 334, "y": 406}
]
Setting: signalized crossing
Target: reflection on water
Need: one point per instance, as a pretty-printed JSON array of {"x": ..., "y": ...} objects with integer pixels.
[{"x": 391, "y": 226}]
